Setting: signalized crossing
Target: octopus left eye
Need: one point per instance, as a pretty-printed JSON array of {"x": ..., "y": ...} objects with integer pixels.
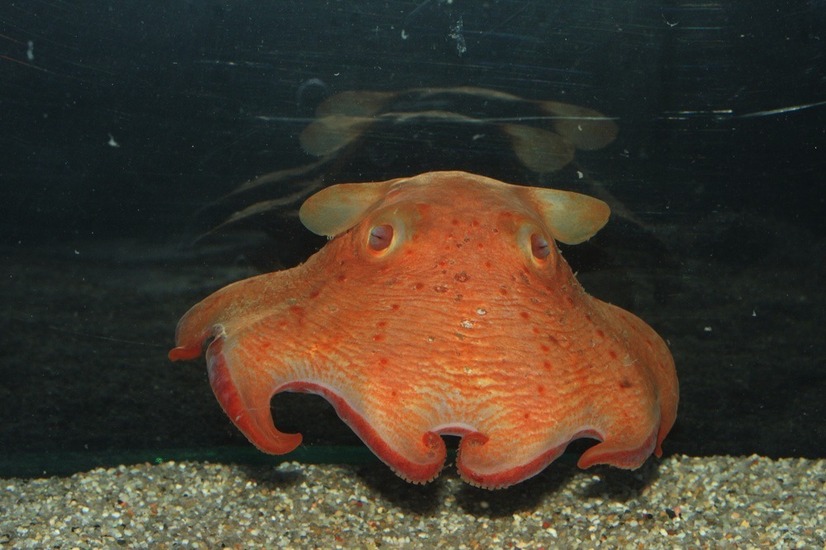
[
  {"x": 380, "y": 237},
  {"x": 540, "y": 248}
]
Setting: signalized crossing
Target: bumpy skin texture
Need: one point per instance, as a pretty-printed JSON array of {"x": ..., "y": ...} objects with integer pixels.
[{"x": 441, "y": 312}]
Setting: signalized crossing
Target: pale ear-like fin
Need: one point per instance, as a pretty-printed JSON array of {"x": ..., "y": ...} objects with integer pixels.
[
  {"x": 354, "y": 103},
  {"x": 327, "y": 135},
  {"x": 587, "y": 129},
  {"x": 538, "y": 149},
  {"x": 337, "y": 208},
  {"x": 572, "y": 217}
]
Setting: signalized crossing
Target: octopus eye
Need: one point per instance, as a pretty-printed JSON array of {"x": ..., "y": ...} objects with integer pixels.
[
  {"x": 380, "y": 237},
  {"x": 540, "y": 248}
]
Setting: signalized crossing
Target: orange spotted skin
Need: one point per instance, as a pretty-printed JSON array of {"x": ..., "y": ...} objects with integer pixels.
[{"x": 458, "y": 326}]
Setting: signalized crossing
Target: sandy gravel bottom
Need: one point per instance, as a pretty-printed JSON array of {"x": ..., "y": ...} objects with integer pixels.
[{"x": 720, "y": 502}]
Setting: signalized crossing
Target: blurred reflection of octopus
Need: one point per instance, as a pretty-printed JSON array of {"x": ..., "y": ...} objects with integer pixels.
[{"x": 371, "y": 136}]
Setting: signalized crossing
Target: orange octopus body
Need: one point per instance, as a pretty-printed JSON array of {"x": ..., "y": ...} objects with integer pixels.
[{"x": 444, "y": 308}]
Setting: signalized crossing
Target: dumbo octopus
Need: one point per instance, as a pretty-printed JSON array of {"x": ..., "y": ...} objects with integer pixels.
[{"x": 442, "y": 306}]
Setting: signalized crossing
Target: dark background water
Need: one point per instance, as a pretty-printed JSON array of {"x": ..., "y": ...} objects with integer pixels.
[{"x": 119, "y": 121}]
